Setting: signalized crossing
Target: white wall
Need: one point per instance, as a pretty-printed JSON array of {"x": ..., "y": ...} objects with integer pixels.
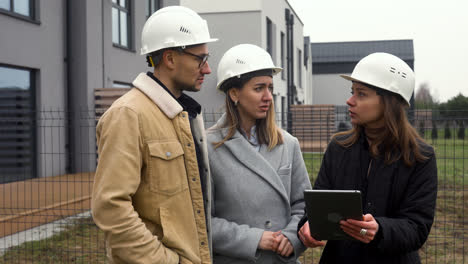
[
  {"x": 331, "y": 89},
  {"x": 235, "y": 22},
  {"x": 210, "y": 6}
]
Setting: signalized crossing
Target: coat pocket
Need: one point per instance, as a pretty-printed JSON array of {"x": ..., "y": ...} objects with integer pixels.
[
  {"x": 285, "y": 170},
  {"x": 167, "y": 173}
]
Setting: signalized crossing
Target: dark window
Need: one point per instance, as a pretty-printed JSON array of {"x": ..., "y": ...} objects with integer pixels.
[
  {"x": 269, "y": 36},
  {"x": 306, "y": 54},
  {"x": 283, "y": 112},
  {"x": 299, "y": 67},
  {"x": 17, "y": 126},
  {"x": 21, "y": 8},
  {"x": 283, "y": 73},
  {"x": 152, "y": 6},
  {"x": 121, "y": 23}
]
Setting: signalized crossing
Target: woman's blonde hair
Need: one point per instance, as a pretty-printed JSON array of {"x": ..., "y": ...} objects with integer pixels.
[
  {"x": 397, "y": 140},
  {"x": 267, "y": 131}
]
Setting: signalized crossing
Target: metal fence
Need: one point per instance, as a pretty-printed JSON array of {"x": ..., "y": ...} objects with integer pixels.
[{"x": 47, "y": 162}]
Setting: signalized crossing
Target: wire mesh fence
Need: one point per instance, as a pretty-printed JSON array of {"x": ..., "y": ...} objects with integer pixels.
[{"x": 48, "y": 158}]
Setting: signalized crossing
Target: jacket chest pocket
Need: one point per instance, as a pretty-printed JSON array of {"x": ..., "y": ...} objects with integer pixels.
[
  {"x": 166, "y": 167},
  {"x": 285, "y": 171}
]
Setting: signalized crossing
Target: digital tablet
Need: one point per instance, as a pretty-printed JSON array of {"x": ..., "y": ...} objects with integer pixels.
[{"x": 325, "y": 209}]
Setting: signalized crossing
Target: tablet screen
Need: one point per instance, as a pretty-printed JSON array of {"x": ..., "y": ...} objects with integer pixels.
[{"x": 325, "y": 209}]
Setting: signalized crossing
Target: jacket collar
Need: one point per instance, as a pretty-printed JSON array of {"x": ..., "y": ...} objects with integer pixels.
[
  {"x": 188, "y": 104},
  {"x": 260, "y": 162},
  {"x": 158, "y": 95}
]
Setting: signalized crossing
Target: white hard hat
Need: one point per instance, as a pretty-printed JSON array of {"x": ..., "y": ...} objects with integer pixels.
[
  {"x": 242, "y": 59},
  {"x": 173, "y": 26},
  {"x": 385, "y": 71}
]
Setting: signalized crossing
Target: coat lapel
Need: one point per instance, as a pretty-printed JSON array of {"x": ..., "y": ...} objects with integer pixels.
[{"x": 258, "y": 162}]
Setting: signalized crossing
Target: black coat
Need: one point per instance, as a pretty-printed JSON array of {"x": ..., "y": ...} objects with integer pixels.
[{"x": 402, "y": 199}]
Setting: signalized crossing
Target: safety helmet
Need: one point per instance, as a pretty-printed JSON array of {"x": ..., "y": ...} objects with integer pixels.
[
  {"x": 173, "y": 26},
  {"x": 385, "y": 71},
  {"x": 242, "y": 59}
]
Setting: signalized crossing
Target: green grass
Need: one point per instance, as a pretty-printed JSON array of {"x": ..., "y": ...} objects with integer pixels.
[
  {"x": 448, "y": 239},
  {"x": 452, "y": 160},
  {"x": 451, "y": 155},
  {"x": 80, "y": 242},
  {"x": 83, "y": 242}
]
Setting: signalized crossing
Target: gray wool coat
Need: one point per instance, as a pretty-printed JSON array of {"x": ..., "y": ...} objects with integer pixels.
[{"x": 254, "y": 191}]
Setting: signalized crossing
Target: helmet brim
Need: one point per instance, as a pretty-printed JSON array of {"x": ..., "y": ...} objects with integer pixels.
[
  {"x": 275, "y": 70},
  {"x": 146, "y": 52},
  {"x": 349, "y": 78}
]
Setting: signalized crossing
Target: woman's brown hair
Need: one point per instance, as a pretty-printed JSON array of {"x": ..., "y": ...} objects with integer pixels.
[
  {"x": 267, "y": 130},
  {"x": 397, "y": 140}
]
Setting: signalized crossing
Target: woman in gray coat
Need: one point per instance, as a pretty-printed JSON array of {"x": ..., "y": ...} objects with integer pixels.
[{"x": 258, "y": 173}]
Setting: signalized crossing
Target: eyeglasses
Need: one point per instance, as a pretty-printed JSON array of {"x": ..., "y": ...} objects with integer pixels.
[{"x": 203, "y": 59}]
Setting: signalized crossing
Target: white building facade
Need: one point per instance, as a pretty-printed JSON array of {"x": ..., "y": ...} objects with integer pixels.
[{"x": 272, "y": 25}]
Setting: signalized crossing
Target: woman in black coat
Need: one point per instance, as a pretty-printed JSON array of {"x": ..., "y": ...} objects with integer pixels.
[{"x": 384, "y": 157}]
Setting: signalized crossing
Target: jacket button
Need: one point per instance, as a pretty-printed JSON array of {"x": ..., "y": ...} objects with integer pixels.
[
  {"x": 188, "y": 145},
  {"x": 202, "y": 243},
  {"x": 168, "y": 154},
  {"x": 194, "y": 179},
  {"x": 198, "y": 211},
  {"x": 268, "y": 224},
  {"x": 183, "y": 115}
]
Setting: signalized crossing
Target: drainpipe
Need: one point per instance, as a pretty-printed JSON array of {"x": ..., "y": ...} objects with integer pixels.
[
  {"x": 290, "y": 63},
  {"x": 68, "y": 94}
]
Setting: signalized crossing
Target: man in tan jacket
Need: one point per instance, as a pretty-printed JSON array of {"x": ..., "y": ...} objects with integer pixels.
[{"x": 151, "y": 193}]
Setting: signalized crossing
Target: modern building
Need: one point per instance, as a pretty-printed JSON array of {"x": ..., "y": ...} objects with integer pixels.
[
  {"x": 53, "y": 54},
  {"x": 272, "y": 25},
  {"x": 330, "y": 59}
]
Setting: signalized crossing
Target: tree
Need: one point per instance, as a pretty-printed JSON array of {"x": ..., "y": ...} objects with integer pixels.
[
  {"x": 455, "y": 107},
  {"x": 423, "y": 98}
]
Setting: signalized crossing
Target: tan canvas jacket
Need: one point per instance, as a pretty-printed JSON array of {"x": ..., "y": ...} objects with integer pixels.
[{"x": 147, "y": 196}]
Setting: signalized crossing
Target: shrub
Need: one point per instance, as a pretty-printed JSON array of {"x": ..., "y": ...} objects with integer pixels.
[
  {"x": 343, "y": 126},
  {"x": 461, "y": 130},
  {"x": 447, "y": 133},
  {"x": 434, "y": 133},
  {"x": 421, "y": 128}
]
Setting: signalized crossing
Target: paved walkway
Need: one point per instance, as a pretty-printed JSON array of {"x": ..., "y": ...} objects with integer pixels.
[{"x": 35, "y": 202}]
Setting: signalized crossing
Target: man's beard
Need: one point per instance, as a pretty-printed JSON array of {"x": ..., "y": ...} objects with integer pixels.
[{"x": 181, "y": 86}]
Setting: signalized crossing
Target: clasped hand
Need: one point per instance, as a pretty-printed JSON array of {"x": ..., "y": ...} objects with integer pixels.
[{"x": 276, "y": 242}]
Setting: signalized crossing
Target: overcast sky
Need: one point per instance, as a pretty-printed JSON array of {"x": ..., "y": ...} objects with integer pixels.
[{"x": 439, "y": 30}]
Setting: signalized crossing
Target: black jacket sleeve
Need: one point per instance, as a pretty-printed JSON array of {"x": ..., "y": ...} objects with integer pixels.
[{"x": 409, "y": 228}]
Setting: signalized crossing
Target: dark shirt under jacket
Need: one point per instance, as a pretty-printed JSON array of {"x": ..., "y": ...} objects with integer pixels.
[{"x": 401, "y": 199}]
